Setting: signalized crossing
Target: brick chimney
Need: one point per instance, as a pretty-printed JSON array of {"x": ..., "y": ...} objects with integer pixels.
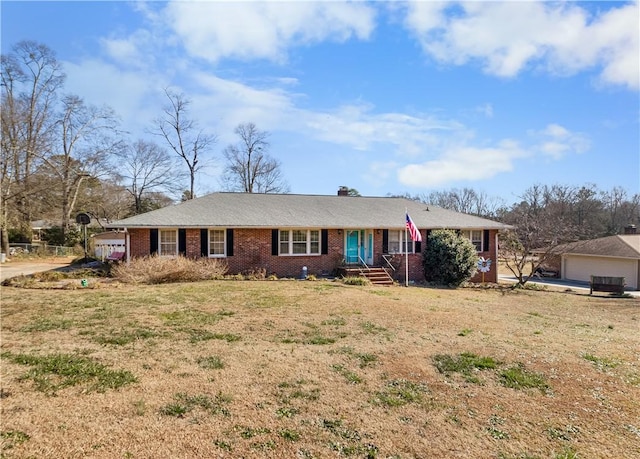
[
  {"x": 630, "y": 229},
  {"x": 343, "y": 191}
]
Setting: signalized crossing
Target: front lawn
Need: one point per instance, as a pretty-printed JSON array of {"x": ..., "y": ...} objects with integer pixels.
[{"x": 317, "y": 369}]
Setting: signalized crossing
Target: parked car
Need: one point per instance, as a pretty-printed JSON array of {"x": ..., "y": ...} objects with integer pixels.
[{"x": 545, "y": 272}]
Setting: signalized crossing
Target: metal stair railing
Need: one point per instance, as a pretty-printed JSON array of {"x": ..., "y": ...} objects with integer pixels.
[
  {"x": 363, "y": 264},
  {"x": 387, "y": 260}
]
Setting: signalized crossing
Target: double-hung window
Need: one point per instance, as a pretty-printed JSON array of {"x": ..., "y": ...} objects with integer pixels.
[
  {"x": 217, "y": 243},
  {"x": 299, "y": 242},
  {"x": 168, "y": 246},
  {"x": 475, "y": 236},
  {"x": 400, "y": 243}
]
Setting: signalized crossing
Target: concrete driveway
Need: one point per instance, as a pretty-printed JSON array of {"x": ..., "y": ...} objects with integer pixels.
[
  {"x": 18, "y": 267},
  {"x": 562, "y": 284}
]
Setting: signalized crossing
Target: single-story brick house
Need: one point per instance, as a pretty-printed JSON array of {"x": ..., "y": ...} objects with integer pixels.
[{"x": 282, "y": 233}]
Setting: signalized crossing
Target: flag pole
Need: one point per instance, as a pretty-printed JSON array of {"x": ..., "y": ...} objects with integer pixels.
[{"x": 406, "y": 250}]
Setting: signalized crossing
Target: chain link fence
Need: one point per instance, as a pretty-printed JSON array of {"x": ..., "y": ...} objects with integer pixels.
[{"x": 17, "y": 249}]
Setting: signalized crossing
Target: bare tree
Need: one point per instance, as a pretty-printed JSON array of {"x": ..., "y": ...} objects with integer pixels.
[
  {"x": 249, "y": 167},
  {"x": 145, "y": 168},
  {"x": 466, "y": 200},
  {"x": 31, "y": 79},
  {"x": 86, "y": 140},
  {"x": 183, "y": 136},
  {"x": 105, "y": 200},
  {"x": 542, "y": 224},
  {"x": 619, "y": 209}
]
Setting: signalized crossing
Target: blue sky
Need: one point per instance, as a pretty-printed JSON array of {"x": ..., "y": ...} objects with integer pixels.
[{"x": 384, "y": 97}]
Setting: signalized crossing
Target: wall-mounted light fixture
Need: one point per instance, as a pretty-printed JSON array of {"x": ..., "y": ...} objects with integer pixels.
[{"x": 339, "y": 231}]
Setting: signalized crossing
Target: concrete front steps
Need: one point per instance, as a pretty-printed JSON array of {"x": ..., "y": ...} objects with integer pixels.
[{"x": 377, "y": 276}]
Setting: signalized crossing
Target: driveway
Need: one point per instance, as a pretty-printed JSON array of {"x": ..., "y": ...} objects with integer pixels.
[
  {"x": 16, "y": 268},
  {"x": 562, "y": 284}
]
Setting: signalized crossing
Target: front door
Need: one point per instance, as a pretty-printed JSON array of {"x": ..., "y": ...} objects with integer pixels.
[
  {"x": 359, "y": 247},
  {"x": 352, "y": 247}
]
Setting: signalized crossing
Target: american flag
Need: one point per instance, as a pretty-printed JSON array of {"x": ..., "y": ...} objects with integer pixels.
[{"x": 413, "y": 230}]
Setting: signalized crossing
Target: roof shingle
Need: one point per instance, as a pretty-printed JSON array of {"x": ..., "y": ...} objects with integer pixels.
[
  {"x": 621, "y": 246},
  {"x": 247, "y": 210}
]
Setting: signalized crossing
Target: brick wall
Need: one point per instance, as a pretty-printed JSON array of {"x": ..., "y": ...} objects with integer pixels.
[
  {"x": 193, "y": 242},
  {"x": 491, "y": 253},
  {"x": 139, "y": 240},
  {"x": 252, "y": 251}
]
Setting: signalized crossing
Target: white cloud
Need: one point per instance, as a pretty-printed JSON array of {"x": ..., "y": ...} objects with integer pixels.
[
  {"x": 509, "y": 37},
  {"x": 486, "y": 110},
  {"x": 132, "y": 51},
  {"x": 355, "y": 126},
  {"x": 249, "y": 30},
  {"x": 557, "y": 141},
  {"x": 134, "y": 95},
  {"x": 462, "y": 163},
  {"x": 379, "y": 172},
  {"x": 359, "y": 127}
]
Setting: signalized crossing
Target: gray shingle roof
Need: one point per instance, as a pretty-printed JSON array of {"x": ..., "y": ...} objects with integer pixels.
[
  {"x": 620, "y": 246},
  {"x": 246, "y": 210}
]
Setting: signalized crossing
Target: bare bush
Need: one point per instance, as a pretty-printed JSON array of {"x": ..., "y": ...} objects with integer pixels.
[
  {"x": 160, "y": 270},
  {"x": 255, "y": 274}
]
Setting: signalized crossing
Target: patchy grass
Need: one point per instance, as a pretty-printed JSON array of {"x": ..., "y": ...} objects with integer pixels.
[
  {"x": 227, "y": 368},
  {"x": 51, "y": 373},
  {"x": 517, "y": 377},
  {"x": 197, "y": 334},
  {"x": 184, "y": 404},
  {"x": 466, "y": 363},
  {"x": 125, "y": 336},
  {"x": 11, "y": 438},
  {"x": 212, "y": 362},
  {"x": 399, "y": 392},
  {"x": 602, "y": 363}
]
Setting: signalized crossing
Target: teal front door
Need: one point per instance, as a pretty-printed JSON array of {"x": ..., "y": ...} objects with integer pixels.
[{"x": 353, "y": 243}]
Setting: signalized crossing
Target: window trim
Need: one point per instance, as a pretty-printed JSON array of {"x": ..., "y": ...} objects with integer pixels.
[
  {"x": 224, "y": 243},
  {"x": 161, "y": 244},
  {"x": 290, "y": 242},
  {"x": 402, "y": 243},
  {"x": 468, "y": 234}
]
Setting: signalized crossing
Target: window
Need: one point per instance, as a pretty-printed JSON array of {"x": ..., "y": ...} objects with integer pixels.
[
  {"x": 398, "y": 243},
  {"x": 217, "y": 243},
  {"x": 475, "y": 236},
  {"x": 299, "y": 242},
  {"x": 168, "y": 242},
  {"x": 284, "y": 242}
]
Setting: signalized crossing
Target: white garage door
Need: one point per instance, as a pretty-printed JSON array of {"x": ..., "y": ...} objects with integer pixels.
[{"x": 577, "y": 267}]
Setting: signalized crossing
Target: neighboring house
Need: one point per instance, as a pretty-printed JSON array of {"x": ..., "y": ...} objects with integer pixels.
[
  {"x": 38, "y": 228},
  {"x": 104, "y": 244},
  {"x": 614, "y": 256},
  {"x": 283, "y": 233}
]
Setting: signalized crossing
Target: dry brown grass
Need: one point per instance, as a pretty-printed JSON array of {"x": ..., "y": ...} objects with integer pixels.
[{"x": 320, "y": 369}]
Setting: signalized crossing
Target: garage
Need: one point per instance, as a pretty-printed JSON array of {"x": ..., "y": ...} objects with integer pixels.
[
  {"x": 612, "y": 256},
  {"x": 582, "y": 267}
]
